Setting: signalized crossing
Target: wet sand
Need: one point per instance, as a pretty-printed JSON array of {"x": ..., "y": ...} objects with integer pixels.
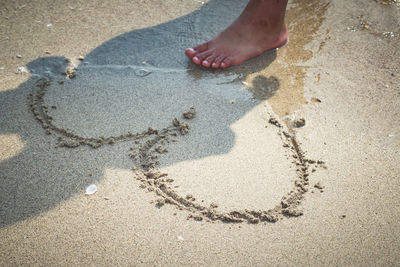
[{"x": 291, "y": 158}]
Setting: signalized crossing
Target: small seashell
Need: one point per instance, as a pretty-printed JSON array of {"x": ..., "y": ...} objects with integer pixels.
[
  {"x": 22, "y": 70},
  {"x": 91, "y": 189}
]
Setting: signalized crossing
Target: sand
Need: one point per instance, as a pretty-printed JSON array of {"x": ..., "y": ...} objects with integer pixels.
[
  {"x": 291, "y": 158},
  {"x": 152, "y": 142}
]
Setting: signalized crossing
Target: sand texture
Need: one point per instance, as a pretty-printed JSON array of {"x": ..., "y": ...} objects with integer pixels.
[{"x": 289, "y": 159}]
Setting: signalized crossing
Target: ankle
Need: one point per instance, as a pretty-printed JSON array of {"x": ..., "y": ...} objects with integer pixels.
[{"x": 264, "y": 16}]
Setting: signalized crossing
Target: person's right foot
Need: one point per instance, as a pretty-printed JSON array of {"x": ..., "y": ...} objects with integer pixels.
[{"x": 258, "y": 29}]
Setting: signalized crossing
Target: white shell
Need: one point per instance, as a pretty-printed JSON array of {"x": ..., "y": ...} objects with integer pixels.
[
  {"x": 91, "y": 189},
  {"x": 22, "y": 70}
]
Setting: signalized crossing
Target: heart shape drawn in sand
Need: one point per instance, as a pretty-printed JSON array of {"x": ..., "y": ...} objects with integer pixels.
[
  {"x": 151, "y": 143},
  {"x": 159, "y": 49}
]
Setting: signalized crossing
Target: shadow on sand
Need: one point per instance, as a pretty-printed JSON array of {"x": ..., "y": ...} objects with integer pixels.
[{"x": 133, "y": 81}]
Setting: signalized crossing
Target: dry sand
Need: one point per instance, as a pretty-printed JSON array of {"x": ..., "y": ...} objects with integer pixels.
[{"x": 291, "y": 158}]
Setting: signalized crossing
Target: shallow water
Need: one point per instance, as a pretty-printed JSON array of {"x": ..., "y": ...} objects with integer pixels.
[{"x": 304, "y": 19}]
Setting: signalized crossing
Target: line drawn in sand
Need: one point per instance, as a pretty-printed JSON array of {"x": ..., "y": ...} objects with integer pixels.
[
  {"x": 141, "y": 48},
  {"x": 150, "y": 144}
]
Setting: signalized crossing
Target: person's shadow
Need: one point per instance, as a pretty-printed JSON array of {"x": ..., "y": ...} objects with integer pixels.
[{"x": 134, "y": 81}]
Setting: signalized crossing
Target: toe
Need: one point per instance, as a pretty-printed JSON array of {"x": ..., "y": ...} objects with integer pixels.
[
  {"x": 217, "y": 62},
  {"x": 201, "y": 47},
  {"x": 193, "y": 51},
  {"x": 198, "y": 59},
  {"x": 208, "y": 61},
  {"x": 190, "y": 52},
  {"x": 226, "y": 63}
]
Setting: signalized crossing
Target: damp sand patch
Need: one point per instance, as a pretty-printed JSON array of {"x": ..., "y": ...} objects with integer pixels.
[{"x": 151, "y": 144}]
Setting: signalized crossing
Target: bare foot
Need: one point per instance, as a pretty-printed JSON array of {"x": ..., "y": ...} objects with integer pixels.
[{"x": 258, "y": 29}]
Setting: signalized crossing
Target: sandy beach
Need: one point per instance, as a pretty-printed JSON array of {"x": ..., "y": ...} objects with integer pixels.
[{"x": 291, "y": 158}]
